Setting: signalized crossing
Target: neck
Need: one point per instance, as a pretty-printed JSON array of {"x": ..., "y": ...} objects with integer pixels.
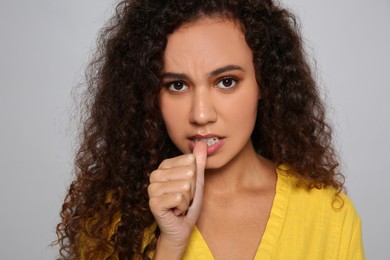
[{"x": 246, "y": 171}]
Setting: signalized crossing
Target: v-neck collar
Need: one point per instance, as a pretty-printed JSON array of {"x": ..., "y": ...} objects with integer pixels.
[{"x": 197, "y": 245}]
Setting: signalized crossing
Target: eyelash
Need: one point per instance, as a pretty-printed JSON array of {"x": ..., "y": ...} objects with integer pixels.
[
  {"x": 233, "y": 79},
  {"x": 171, "y": 85}
]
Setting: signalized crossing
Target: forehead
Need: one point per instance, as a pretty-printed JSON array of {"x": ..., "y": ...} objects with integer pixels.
[{"x": 212, "y": 42}]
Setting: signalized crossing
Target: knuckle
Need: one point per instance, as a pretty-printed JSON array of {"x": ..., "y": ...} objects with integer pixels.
[
  {"x": 153, "y": 176},
  {"x": 179, "y": 197},
  {"x": 153, "y": 203},
  {"x": 186, "y": 186},
  {"x": 164, "y": 164},
  {"x": 182, "y": 200},
  {"x": 190, "y": 158},
  {"x": 157, "y": 176},
  {"x": 151, "y": 190},
  {"x": 190, "y": 172}
]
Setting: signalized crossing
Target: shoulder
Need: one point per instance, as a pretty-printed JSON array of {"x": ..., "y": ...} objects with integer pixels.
[
  {"x": 322, "y": 221},
  {"x": 324, "y": 201}
]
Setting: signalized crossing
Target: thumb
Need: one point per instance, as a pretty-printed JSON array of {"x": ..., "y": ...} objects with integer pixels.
[{"x": 200, "y": 152}]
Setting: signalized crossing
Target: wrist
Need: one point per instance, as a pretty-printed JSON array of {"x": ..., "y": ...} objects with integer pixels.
[{"x": 167, "y": 249}]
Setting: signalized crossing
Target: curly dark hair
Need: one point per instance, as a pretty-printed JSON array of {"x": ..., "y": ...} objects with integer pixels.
[{"x": 124, "y": 137}]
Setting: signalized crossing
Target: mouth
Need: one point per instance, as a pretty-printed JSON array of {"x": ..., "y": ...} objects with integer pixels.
[
  {"x": 209, "y": 141},
  {"x": 214, "y": 142}
]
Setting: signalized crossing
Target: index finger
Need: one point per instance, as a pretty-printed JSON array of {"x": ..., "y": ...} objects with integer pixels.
[{"x": 182, "y": 160}]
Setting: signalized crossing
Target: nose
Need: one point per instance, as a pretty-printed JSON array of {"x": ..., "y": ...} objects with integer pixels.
[{"x": 202, "y": 107}]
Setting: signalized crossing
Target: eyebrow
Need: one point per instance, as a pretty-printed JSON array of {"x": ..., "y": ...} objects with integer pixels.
[
  {"x": 216, "y": 72},
  {"x": 225, "y": 69}
]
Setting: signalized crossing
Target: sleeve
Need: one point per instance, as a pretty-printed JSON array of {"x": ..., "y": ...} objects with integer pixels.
[
  {"x": 356, "y": 250},
  {"x": 351, "y": 241}
]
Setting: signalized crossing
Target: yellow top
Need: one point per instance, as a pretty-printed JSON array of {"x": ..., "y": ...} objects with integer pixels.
[{"x": 303, "y": 224}]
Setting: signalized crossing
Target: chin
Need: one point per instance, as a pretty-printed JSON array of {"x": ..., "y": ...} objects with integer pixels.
[{"x": 214, "y": 163}]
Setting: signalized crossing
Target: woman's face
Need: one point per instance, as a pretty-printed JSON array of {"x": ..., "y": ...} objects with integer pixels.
[{"x": 209, "y": 90}]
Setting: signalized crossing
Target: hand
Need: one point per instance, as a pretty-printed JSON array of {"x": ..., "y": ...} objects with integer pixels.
[{"x": 176, "y": 196}]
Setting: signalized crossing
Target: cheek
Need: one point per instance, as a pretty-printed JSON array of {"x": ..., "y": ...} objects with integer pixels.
[
  {"x": 245, "y": 116},
  {"x": 242, "y": 112}
]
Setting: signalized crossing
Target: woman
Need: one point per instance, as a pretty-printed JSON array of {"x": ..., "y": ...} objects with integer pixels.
[{"x": 206, "y": 138}]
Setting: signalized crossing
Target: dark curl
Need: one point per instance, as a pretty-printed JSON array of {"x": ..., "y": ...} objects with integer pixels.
[{"x": 124, "y": 137}]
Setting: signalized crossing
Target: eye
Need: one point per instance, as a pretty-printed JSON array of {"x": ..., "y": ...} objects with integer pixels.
[
  {"x": 177, "y": 86},
  {"x": 227, "y": 83}
]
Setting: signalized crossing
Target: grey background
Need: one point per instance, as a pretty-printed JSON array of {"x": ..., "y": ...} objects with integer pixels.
[{"x": 45, "y": 45}]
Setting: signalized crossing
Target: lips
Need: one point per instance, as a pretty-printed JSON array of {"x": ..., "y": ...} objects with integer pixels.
[{"x": 214, "y": 142}]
